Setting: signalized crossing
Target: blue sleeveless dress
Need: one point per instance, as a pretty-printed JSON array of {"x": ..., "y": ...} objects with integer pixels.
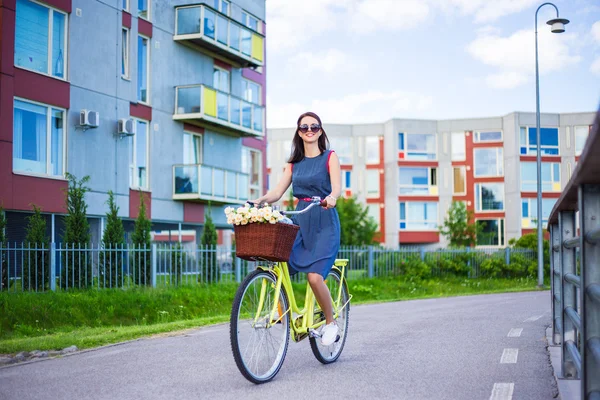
[{"x": 318, "y": 239}]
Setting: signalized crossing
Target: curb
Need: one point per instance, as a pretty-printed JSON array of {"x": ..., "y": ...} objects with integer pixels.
[{"x": 569, "y": 389}]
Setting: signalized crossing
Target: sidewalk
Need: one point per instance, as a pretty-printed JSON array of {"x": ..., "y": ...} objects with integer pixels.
[{"x": 569, "y": 389}]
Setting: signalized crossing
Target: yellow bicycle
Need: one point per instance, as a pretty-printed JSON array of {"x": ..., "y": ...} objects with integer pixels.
[{"x": 265, "y": 314}]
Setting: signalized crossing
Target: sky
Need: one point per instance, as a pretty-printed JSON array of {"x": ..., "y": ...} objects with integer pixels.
[{"x": 368, "y": 61}]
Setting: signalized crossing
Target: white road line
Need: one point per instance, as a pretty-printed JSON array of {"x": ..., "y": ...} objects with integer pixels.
[
  {"x": 515, "y": 332},
  {"x": 531, "y": 319},
  {"x": 509, "y": 356},
  {"x": 502, "y": 391}
]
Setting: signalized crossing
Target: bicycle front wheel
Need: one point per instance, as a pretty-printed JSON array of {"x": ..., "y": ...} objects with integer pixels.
[
  {"x": 341, "y": 305},
  {"x": 259, "y": 340}
]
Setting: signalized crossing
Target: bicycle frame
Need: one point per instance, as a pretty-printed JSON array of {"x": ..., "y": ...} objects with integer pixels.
[{"x": 306, "y": 314}]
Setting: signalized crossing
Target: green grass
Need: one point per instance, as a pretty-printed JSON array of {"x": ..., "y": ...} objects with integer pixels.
[{"x": 55, "y": 320}]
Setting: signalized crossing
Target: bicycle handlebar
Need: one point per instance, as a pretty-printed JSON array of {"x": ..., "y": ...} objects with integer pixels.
[{"x": 316, "y": 200}]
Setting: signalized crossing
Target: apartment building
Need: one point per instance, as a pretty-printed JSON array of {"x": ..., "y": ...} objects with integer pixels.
[
  {"x": 408, "y": 172},
  {"x": 152, "y": 97}
]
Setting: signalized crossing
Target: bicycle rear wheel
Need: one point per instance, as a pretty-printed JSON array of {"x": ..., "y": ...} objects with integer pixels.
[
  {"x": 259, "y": 344},
  {"x": 329, "y": 354}
]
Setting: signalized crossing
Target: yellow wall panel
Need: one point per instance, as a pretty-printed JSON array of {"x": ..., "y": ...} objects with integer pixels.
[
  {"x": 257, "y": 47},
  {"x": 210, "y": 102}
]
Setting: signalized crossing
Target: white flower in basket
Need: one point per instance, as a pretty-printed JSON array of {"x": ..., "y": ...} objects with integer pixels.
[{"x": 247, "y": 215}]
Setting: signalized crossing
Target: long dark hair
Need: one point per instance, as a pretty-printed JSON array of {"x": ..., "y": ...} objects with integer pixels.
[{"x": 298, "y": 144}]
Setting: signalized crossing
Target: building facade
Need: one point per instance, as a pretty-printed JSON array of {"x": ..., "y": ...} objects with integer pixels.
[
  {"x": 153, "y": 98},
  {"x": 408, "y": 172}
]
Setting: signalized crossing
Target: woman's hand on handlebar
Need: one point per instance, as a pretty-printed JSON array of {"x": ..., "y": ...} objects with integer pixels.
[{"x": 329, "y": 202}]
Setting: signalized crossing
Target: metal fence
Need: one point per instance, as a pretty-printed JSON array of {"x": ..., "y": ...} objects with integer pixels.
[
  {"x": 58, "y": 267},
  {"x": 575, "y": 270}
]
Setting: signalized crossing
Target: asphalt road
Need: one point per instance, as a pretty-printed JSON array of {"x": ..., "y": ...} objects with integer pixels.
[{"x": 451, "y": 348}]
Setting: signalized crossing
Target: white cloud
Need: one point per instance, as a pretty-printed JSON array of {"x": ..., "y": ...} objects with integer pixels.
[
  {"x": 514, "y": 55},
  {"x": 596, "y": 31},
  {"x": 484, "y": 11},
  {"x": 595, "y": 67},
  {"x": 392, "y": 15},
  {"x": 328, "y": 61},
  {"x": 371, "y": 106}
]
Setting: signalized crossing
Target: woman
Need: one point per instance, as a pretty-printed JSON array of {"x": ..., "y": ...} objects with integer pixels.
[{"x": 313, "y": 170}]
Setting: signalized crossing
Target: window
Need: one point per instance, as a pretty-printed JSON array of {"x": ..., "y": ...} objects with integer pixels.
[
  {"x": 287, "y": 149},
  {"x": 192, "y": 148},
  {"x": 489, "y": 162},
  {"x": 418, "y": 216},
  {"x": 581, "y": 135},
  {"x": 252, "y": 165},
  {"x": 221, "y": 80},
  {"x": 125, "y": 53},
  {"x": 372, "y": 150},
  {"x": 222, "y": 6},
  {"x": 343, "y": 148},
  {"x": 459, "y": 181},
  {"x": 347, "y": 180},
  {"x": 418, "y": 181},
  {"x": 125, "y": 5},
  {"x": 548, "y": 145},
  {"x": 550, "y": 177},
  {"x": 250, "y": 21},
  {"x": 373, "y": 212},
  {"x": 487, "y": 136},
  {"x": 38, "y": 139},
  {"x": 413, "y": 146},
  {"x": 221, "y": 83},
  {"x": 40, "y": 39},
  {"x": 489, "y": 197},
  {"x": 251, "y": 91},
  {"x": 143, "y": 69},
  {"x": 138, "y": 156},
  {"x": 529, "y": 212},
  {"x": 144, "y": 9},
  {"x": 372, "y": 183},
  {"x": 491, "y": 232},
  {"x": 458, "y": 146}
]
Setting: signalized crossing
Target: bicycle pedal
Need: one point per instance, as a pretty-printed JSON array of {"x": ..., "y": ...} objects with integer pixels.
[{"x": 314, "y": 333}]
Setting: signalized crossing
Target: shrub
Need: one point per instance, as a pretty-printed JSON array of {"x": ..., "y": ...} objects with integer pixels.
[
  {"x": 113, "y": 240},
  {"x": 36, "y": 264},
  {"x": 140, "y": 259}
]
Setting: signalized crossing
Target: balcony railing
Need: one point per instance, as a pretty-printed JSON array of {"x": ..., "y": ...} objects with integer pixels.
[
  {"x": 575, "y": 275},
  {"x": 208, "y": 29},
  {"x": 196, "y": 103},
  {"x": 204, "y": 183}
]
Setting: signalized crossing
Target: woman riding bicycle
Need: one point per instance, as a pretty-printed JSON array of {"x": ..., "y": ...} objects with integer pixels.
[{"x": 313, "y": 170}]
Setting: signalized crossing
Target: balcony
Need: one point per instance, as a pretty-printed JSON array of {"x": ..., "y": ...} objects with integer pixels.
[
  {"x": 203, "y": 183},
  {"x": 205, "y": 28},
  {"x": 201, "y": 105}
]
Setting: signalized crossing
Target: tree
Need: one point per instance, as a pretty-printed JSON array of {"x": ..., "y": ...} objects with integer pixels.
[
  {"x": 77, "y": 267},
  {"x": 113, "y": 240},
  {"x": 209, "y": 243},
  {"x": 530, "y": 242},
  {"x": 36, "y": 264},
  {"x": 357, "y": 226},
  {"x": 141, "y": 242},
  {"x": 459, "y": 226},
  {"x": 3, "y": 254}
]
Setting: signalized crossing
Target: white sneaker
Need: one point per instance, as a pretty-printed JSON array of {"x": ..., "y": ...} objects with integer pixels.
[{"x": 329, "y": 334}]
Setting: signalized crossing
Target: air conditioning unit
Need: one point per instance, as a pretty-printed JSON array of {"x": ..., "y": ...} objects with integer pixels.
[
  {"x": 126, "y": 127},
  {"x": 90, "y": 119}
]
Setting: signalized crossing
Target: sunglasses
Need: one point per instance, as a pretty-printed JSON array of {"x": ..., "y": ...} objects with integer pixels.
[{"x": 314, "y": 128}]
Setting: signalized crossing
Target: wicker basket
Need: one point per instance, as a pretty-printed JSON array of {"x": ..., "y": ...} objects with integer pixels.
[{"x": 261, "y": 241}]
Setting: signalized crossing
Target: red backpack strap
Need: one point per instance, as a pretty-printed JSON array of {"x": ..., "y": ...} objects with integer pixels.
[{"x": 328, "y": 157}]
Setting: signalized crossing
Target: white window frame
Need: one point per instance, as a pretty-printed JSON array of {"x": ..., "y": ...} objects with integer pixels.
[
  {"x": 148, "y": 86},
  {"x": 126, "y": 53},
  {"x": 245, "y": 84},
  {"x": 477, "y": 136},
  {"x": 464, "y": 146},
  {"x": 530, "y": 218},
  {"x": 220, "y": 7},
  {"x": 370, "y": 140},
  {"x": 578, "y": 152},
  {"x": 248, "y": 169},
  {"x": 222, "y": 71},
  {"x": 430, "y": 183},
  {"x": 501, "y": 234},
  {"x": 406, "y": 151},
  {"x": 478, "y": 187},
  {"x": 374, "y": 208},
  {"x": 499, "y": 162},
  {"x": 463, "y": 170},
  {"x": 148, "y": 16},
  {"x": 198, "y": 141},
  {"x": 424, "y": 229},
  {"x": 374, "y": 178},
  {"x": 48, "y": 140},
  {"x": 126, "y": 8},
  {"x": 542, "y": 147},
  {"x": 50, "y": 41},
  {"x": 133, "y": 179},
  {"x": 246, "y": 18},
  {"x": 552, "y": 177}
]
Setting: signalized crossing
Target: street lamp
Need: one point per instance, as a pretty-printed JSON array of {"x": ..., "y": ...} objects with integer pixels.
[{"x": 557, "y": 26}]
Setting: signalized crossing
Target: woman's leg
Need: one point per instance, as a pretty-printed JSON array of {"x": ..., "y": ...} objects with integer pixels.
[{"x": 322, "y": 295}]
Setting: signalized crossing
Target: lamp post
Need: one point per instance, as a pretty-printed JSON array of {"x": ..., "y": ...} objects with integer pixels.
[{"x": 557, "y": 26}]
